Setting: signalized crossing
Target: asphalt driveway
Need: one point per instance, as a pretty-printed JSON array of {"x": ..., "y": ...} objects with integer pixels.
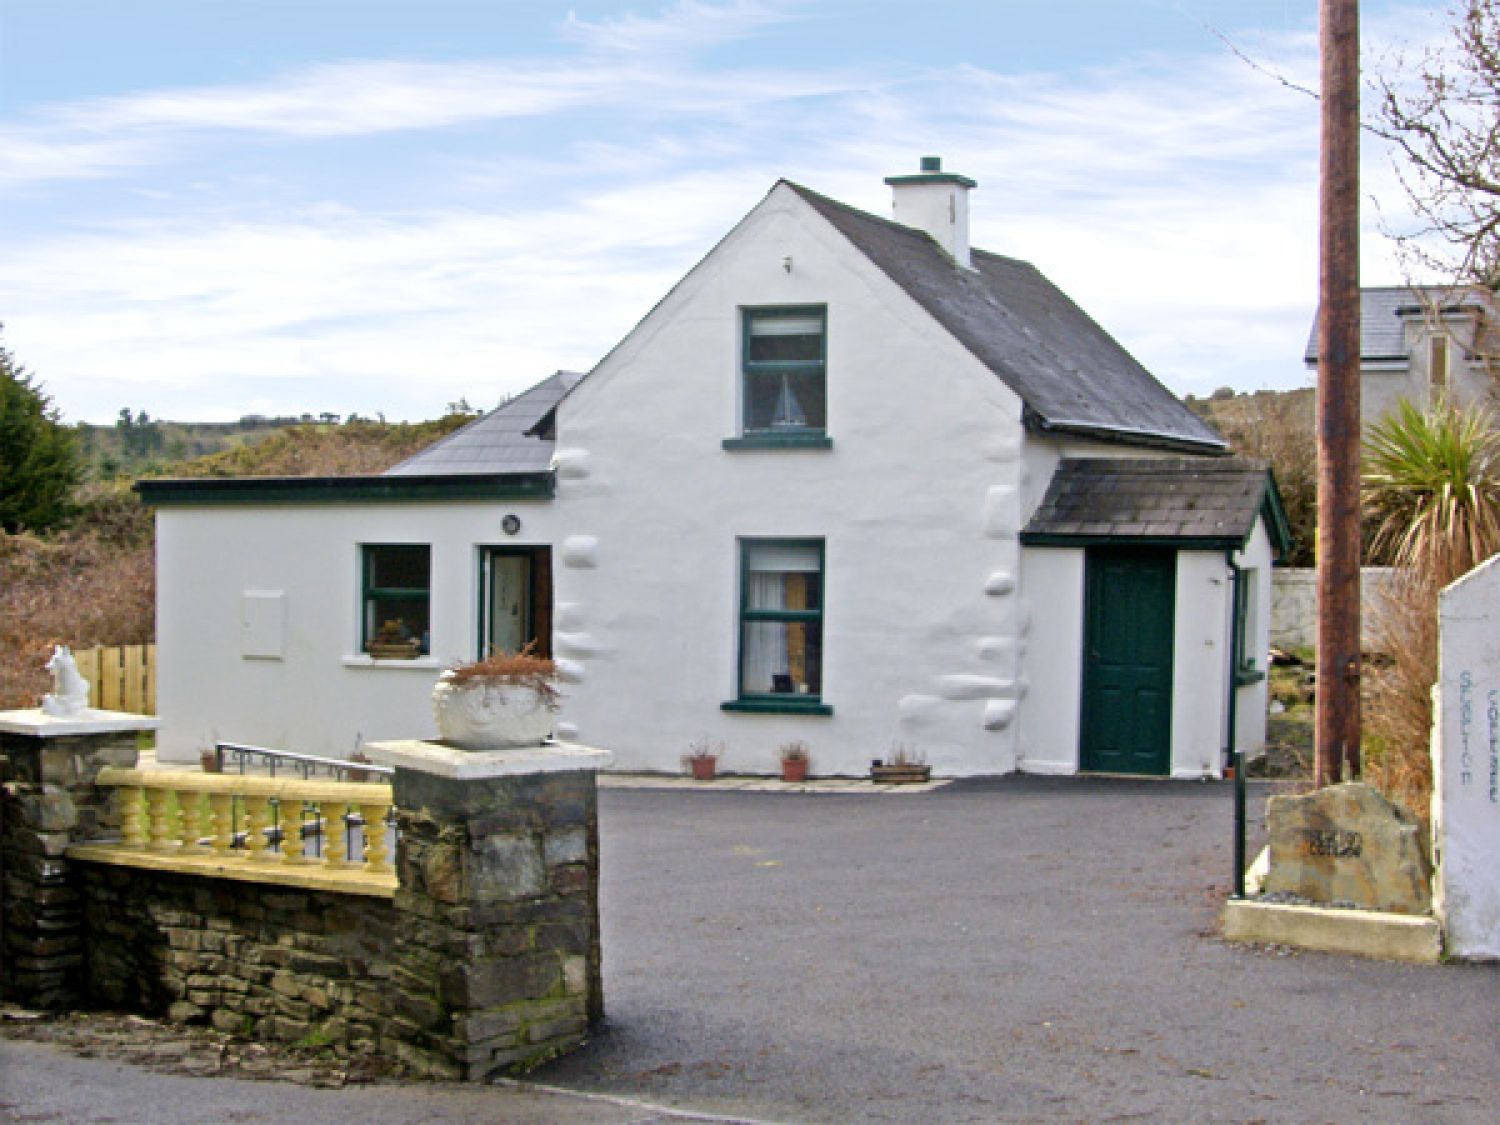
[{"x": 1021, "y": 949}]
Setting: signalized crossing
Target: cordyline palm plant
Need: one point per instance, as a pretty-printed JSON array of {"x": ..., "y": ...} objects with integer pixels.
[
  {"x": 1432, "y": 482},
  {"x": 1432, "y": 487}
]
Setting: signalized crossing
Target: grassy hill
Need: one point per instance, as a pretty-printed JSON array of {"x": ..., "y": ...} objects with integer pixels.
[
  {"x": 1279, "y": 427},
  {"x": 94, "y": 582}
]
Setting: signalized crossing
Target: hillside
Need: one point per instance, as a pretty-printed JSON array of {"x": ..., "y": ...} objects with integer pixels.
[
  {"x": 94, "y": 582},
  {"x": 1279, "y": 427}
]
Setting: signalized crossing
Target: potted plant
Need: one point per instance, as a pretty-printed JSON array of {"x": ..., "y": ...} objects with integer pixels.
[
  {"x": 904, "y": 767},
  {"x": 507, "y": 699},
  {"x": 393, "y": 641},
  {"x": 794, "y": 761},
  {"x": 703, "y": 758}
]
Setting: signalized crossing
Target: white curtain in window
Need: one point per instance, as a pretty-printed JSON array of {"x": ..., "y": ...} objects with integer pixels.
[
  {"x": 767, "y": 565},
  {"x": 765, "y": 641}
]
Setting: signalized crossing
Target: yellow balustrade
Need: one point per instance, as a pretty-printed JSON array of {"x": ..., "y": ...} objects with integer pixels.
[{"x": 166, "y": 815}]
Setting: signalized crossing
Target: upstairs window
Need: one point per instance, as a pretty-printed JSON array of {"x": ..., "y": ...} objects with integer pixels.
[
  {"x": 785, "y": 360},
  {"x": 396, "y": 593}
]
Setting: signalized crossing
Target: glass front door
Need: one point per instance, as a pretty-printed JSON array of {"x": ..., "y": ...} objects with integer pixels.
[{"x": 516, "y": 600}]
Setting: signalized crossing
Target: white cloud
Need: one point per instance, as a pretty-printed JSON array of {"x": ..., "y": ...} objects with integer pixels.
[
  {"x": 1174, "y": 199},
  {"x": 688, "y": 25}
]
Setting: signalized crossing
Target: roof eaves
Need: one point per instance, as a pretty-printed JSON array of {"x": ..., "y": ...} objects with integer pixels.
[
  {"x": 1147, "y": 439},
  {"x": 294, "y": 491}
]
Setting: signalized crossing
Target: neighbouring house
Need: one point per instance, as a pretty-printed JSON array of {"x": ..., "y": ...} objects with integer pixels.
[
  {"x": 851, "y": 482},
  {"x": 1422, "y": 343}
]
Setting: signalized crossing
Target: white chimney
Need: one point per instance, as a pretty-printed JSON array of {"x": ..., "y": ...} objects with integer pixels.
[{"x": 936, "y": 202}]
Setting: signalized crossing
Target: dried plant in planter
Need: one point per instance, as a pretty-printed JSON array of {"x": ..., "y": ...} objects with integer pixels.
[
  {"x": 794, "y": 751},
  {"x": 505, "y": 700},
  {"x": 517, "y": 669}
]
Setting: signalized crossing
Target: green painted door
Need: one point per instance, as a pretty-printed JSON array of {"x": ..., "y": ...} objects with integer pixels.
[{"x": 1129, "y": 606}]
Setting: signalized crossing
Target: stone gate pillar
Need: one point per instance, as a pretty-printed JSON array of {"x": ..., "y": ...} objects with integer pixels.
[
  {"x": 47, "y": 802},
  {"x": 1466, "y": 764},
  {"x": 498, "y": 951}
]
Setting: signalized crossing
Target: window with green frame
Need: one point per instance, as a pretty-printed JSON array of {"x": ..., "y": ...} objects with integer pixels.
[
  {"x": 781, "y": 626},
  {"x": 784, "y": 389},
  {"x": 395, "y": 597},
  {"x": 1247, "y": 626}
]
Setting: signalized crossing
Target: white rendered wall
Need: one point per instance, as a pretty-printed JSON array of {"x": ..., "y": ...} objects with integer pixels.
[
  {"x": 942, "y": 210},
  {"x": 321, "y": 694},
  {"x": 917, "y": 502},
  {"x": 1466, "y": 765},
  {"x": 1052, "y": 578},
  {"x": 1250, "y": 704},
  {"x": 1200, "y": 663},
  {"x": 1049, "y": 730}
]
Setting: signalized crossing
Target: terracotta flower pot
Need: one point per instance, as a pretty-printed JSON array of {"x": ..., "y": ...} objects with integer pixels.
[
  {"x": 704, "y": 768},
  {"x": 794, "y": 769}
]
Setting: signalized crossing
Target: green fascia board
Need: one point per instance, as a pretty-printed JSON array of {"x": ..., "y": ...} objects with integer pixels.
[
  {"x": 1183, "y": 543},
  {"x": 1273, "y": 511},
  {"x": 811, "y": 440},
  {"x": 932, "y": 178},
  {"x": 768, "y": 706},
  {"x": 215, "y": 491}
]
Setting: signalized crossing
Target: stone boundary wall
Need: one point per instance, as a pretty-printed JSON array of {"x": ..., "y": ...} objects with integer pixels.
[
  {"x": 250, "y": 959},
  {"x": 1294, "y": 604},
  {"x": 48, "y": 801},
  {"x": 484, "y": 959}
]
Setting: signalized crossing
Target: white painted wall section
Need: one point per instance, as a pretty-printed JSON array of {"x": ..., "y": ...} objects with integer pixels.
[
  {"x": 923, "y": 622},
  {"x": 1466, "y": 766},
  {"x": 259, "y": 625},
  {"x": 1050, "y": 716}
]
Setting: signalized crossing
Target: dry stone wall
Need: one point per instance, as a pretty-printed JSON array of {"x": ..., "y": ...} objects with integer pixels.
[{"x": 257, "y": 960}]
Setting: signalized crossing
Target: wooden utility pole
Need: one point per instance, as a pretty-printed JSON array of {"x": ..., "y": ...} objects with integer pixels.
[{"x": 1338, "y": 398}]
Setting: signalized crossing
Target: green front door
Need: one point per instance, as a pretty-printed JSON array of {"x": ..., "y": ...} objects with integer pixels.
[{"x": 1129, "y": 606}]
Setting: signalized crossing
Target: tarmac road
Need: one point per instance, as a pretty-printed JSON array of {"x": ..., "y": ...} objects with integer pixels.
[
  {"x": 1024, "y": 949},
  {"x": 1017, "y": 950}
]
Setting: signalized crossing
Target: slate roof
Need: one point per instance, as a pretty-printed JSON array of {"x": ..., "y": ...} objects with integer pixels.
[
  {"x": 1194, "y": 501},
  {"x": 509, "y": 439},
  {"x": 1383, "y": 313},
  {"x": 1071, "y": 374}
]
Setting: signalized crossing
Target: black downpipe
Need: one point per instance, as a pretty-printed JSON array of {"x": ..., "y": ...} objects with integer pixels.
[{"x": 1236, "y": 756}]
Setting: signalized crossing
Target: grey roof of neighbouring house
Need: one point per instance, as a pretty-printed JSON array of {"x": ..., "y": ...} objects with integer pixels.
[
  {"x": 1184, "y": 501},
  {"x": 509, "y": 439},
  {"x": 1072, "y": 376},
  {"x": 1384, "y": 311}
]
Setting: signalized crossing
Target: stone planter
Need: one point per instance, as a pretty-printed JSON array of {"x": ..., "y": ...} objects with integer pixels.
[{"x": 486, "y": 716}]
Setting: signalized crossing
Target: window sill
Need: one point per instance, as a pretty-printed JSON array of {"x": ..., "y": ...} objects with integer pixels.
[
  {"x": 810, "y": 440},
  {"x": 766, "y": 706},
  {"x": 416, "y": 663}
]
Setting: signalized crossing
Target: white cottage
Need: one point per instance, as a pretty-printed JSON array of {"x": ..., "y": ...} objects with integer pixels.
[{"x": 851, "y": 482}]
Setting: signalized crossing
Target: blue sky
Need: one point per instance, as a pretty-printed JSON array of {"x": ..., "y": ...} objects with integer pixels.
[{"x": 215, "y": 208}]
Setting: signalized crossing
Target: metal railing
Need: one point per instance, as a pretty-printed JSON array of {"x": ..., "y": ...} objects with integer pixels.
[{"x": 304, "y": 765}]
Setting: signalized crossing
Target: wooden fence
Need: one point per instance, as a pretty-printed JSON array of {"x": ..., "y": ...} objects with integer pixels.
[{"x": 121, "y": 677}]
